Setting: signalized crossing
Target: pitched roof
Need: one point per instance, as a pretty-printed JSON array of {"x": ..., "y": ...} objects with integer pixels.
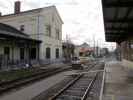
[
  {"x": 31, "y": 11},
  {"x": 22, "y": 12},
  {"x": 13, "y": 32},
  {"x": 8, "y": 28}
]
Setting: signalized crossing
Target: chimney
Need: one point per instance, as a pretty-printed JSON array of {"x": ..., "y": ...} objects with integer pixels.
[{"x": 17, "y": 7}]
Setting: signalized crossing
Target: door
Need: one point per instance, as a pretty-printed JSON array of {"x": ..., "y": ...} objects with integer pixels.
[
  {"x": 22, "y": 52},
  {"x": 48, "y": 53},
  {"x": 7, "y": 53}
]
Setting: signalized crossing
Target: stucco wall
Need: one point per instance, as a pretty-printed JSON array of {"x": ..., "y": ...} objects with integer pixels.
[{"x": 35, "y": 25}]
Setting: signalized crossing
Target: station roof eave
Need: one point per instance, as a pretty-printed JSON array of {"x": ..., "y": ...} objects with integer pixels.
[
  {"x": 10, "y": 33},
  {"x": 9, "y": 37},
  {"x": 118, "y": 19}
]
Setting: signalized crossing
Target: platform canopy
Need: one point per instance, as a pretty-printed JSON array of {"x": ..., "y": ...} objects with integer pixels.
[{"x": 118, "y": 19}]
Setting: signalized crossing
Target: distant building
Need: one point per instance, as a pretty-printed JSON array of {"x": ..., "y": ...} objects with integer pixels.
[
  {"x": 44, "y": 24},
  {"x": 16, "y": 48},
  {"x": 83, "y": 50}
]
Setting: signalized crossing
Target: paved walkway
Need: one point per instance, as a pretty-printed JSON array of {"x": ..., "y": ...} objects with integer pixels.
[
  {"x": 118, "y": 83},
  {"x": 33, "y": 90}
]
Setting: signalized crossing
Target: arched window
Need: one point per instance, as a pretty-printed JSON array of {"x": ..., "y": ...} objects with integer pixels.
[
  {"x": 57, "y": 53},
  {"x": 48, "y": 53}
]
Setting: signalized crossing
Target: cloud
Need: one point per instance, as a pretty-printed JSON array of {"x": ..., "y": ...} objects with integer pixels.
[
  {"x": 72, "y": 2},
  {"x": 3, "y": 6},
  {"x": 32, "y": 4},
  {"x": 82, "y": 19}
]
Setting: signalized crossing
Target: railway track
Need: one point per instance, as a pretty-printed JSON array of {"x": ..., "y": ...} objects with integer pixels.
[
  {"x": 93, "y": 71},
  {"x": 77, "y": 89},
  {"x": 15, "y": 84}
]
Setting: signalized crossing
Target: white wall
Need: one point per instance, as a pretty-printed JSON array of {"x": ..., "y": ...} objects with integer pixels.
[{"x": 35, "y": 26}]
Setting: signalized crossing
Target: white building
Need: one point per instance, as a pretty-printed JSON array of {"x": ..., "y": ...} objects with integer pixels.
[{"x": 44, "y": 24}]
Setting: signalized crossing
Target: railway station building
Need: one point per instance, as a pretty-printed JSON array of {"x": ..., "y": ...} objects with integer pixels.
[
  {"x": 16, "y": 48},
  {"x": 118, "y": 24},
  {"x": 44, "y": 24}
]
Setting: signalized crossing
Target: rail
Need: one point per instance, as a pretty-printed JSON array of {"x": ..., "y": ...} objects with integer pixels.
[
  {"x": 7, "y": 86},
  {"x": 80, "y": 79},
  {"x": 89, "y": 87}
]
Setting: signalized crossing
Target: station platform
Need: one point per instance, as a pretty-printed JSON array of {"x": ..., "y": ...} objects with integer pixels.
[{"x": 118, "y": 82}]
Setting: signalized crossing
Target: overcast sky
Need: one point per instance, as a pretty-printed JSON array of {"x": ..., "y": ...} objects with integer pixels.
[{"x": 82, "y": 18}]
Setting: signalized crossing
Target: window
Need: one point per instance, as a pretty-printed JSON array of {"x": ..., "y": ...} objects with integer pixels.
[
  {"x": 22, "y": 53},
  {"x": 22, "y": 28},
  {"x": 32, "y": 53},
  {"x": 7, "y": 52},
  {"x": 57, "y": 53},
  {"x": 48, "y": 53},
  {"x": 48, "y": 30},
  {"x": 53, "y": 18},
  {"x": 57, "y": 34}
]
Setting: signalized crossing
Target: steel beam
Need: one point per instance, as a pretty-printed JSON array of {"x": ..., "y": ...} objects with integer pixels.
[{"x": 125, "y": 3}]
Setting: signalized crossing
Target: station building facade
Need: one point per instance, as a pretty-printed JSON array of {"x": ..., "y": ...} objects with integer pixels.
[
  {"x": 43, "y": 24},
  {"x": 16, "y": 48}
]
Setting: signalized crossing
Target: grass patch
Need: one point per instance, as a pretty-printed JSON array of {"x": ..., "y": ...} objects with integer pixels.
[{"x": 15, "y": 74}]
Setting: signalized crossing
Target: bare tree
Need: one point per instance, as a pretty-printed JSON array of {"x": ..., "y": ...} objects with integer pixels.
[{"x": 68, "y": 49}]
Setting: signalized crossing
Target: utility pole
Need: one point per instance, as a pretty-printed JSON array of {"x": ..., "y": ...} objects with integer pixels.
[
  {"x": 94, "y": 43},
  {"x": 97, "y": 47}
]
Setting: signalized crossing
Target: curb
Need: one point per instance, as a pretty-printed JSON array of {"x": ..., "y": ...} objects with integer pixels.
[{"x": 103, "y": 82}]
